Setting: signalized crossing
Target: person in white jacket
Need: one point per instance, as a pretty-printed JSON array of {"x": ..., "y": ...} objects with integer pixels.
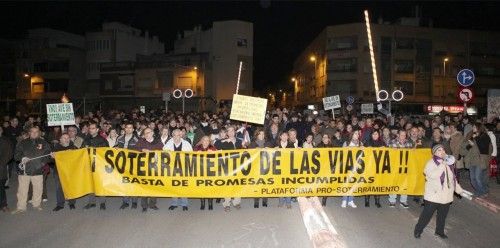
[
  {"x": 440, "y": 184},
  {"x": 176, "y": 143}
]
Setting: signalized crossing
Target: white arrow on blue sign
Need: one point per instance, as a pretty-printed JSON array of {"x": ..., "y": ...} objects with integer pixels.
[
  {"x": 465, "y": 77},
  {"x": 350, "y": 100}
]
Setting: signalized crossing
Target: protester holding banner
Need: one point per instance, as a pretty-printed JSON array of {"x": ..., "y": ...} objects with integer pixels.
[
  {"x": 94, "y": 140},
  {"x": 177, "y": 143},
  {"x": 308, "y": 143},
  {"x": 77, "y": 140},
  {"x": 440, "y": 184},
  {"x": 6, "y": 155},
  {"x": 353, "y": 141},
  {"x": 260, "y": 141},
  {"x": 63, "y": 145},
  {"x": 128, "y": 141},
  {"x": 147, "y": 144},
  {"x": 231, "y": 143},
  {"x": 204, "y": 146},
  {"x": 400, "y": 142},
  {"x": 374, "y": 141},
  {"x": 284, "y": 143},
  {"x": 33, "y": 154},
  {"x": 326, "y": 142}
]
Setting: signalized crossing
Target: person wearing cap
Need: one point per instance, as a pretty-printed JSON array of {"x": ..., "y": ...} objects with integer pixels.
[{"x": 440, "y": 184}]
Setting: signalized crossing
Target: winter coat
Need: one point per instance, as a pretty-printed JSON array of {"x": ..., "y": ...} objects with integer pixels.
[
  {"x": 6, "y": 154},
  {"x": 32, "y": 148},
  {"x": 470, "y": 154},
  {"x": 440, "y": 182}
]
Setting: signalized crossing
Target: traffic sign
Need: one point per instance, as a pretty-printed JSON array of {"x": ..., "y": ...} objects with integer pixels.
[
  {"x": 465, "y": 77},
  {"x": 166, "y": 96},
  {"x": 367, "y": 108},
  {"x": 465, "y": 95},
  {"x": 350, "y": 100},
  {"x": 331, "y": 102}
]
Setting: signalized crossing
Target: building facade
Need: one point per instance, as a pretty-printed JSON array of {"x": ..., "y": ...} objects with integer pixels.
[
  {"x": 226, "y": 43},
  {"x": 49, "y": 63},
  {"x": 7, "y": 75},
  {"x": 116, "y": 43},
  {"x": 421, "y": 61}
]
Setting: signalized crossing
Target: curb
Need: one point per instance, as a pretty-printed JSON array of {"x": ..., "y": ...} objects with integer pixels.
[{"x": 487, "y": 204}]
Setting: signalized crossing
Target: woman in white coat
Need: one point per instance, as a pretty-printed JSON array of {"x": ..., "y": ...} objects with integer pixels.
[{"x": 440, "y": 185}]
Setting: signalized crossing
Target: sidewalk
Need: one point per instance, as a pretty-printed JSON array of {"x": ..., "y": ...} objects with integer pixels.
[{"x": 492, "y": 201}]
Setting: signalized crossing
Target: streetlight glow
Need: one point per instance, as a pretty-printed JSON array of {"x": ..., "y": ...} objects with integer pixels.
[
  {"x": 196, "y": 68},
  {"x": 294, "y": 79},
  {"x": 372, "y": 55},
  {"x": 445, "y": 59},
  {"x": 312, "y": 58},
  {"x": 26, "y": 75}
]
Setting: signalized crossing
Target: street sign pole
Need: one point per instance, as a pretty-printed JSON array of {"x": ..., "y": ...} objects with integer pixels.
[{"x": 333, "y": 114}]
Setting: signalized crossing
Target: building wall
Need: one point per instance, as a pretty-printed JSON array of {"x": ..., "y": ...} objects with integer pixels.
[
  {"x": 232, "y": 41},
  {"x": 117, "y": 42},
  {"x": 227, "y": 43},
  {"x": 50, "y": 63},
  {"x": 407, "y": 57}
]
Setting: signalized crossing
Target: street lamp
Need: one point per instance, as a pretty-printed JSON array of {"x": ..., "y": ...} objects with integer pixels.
[
  {"x": 26, "y": 75},
  {"x": 444, "y": 66},
  {"x": 444, "y": 77},
  {"x": 295, "y": 89}
]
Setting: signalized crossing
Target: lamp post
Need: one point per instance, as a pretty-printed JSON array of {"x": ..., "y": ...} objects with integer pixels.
[
  {"x": 313, "y": 59},
  {"x": 444, "y": 77},
  {"x": 295, "y": 89},
  {"x": 188, "y": 93}
]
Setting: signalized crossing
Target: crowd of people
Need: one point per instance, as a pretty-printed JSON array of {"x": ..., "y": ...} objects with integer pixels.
[{"x": 472, "y": 141}]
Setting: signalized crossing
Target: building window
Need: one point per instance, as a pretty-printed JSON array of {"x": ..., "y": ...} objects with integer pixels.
[
  {"x": 40, "y": 67},
  {"x": 56, "y": 85},
  {"x": 342, "y": 87},
  {"x": 38, "y": 87},
  {"x": 405, "y": 86},
  {"x": 344, "y": 43},
  {"x": 405, "y": 43},
  {"x": 403, "y": 66},
  {"x": 487, "y": 71},
  {"x": 344, "y": 65},
  {"x": 241, "y": 42}
]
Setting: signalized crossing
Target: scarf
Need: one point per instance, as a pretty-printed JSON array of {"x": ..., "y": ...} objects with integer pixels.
[{"x": 444, "y": 175}]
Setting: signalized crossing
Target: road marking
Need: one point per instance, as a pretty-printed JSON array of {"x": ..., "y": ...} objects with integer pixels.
[{"x": 319, "y": 227}]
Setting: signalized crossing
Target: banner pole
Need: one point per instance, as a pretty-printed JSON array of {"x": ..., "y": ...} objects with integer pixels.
[{"x": 239, "y": 77}]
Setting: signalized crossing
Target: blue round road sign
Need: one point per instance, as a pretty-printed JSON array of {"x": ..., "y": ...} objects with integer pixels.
[
  {"x": 349, "y": 100},
  {"x": 465, "y": 77}
]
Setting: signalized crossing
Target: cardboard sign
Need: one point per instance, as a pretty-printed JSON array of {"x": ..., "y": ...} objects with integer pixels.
[
  {"x": 331, "y": 102},
  {"x": 367, "y": 108},
  {"x": 60, "y": 114},
  {"x": 248, "y": 109}
]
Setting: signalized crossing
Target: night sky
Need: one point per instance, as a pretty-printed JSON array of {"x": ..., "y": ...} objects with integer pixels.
[{"x": 281, "y": 29}]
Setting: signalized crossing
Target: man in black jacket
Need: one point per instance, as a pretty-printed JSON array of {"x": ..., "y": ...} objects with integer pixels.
[
  {"x": 5, "y": 157},
  {"x": 13, "y": 131},
  {"x": 64, "y": 144},
  {"x": 128, "y": 141},
  {"x": 94, "y": 140},
  {"x": 31, "y": 152}
]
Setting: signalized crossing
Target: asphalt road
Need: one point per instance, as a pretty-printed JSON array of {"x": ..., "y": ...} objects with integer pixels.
[{"x": 468, "y": 225}]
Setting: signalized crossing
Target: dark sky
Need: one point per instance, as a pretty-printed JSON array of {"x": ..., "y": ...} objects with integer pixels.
[{"x": 281, "y": 29}]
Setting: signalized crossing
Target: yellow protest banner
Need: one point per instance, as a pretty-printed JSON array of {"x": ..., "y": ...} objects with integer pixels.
[
  {"x": 243, "y": 173},
  {"x": 248, "y": 109},
  {"x": 74, "y": 169}
]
